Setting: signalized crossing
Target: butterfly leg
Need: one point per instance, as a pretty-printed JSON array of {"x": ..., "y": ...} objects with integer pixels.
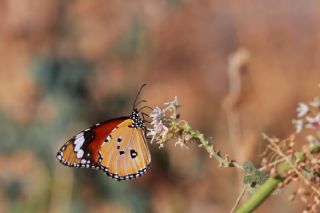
[
  {"x": 144, "y": 120},
  {"x": 142, "y": 113},
  {"x": 144, "y": 108}
]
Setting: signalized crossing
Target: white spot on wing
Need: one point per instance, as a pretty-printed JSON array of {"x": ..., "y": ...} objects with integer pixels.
[
  {"x": 80, "y": 153},
  {"x": 78, "y": 142},
  {"x": 79, "y": 135}
]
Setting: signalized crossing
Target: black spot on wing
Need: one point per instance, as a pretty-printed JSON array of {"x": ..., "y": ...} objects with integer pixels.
[{"x": 133, "y": 153}]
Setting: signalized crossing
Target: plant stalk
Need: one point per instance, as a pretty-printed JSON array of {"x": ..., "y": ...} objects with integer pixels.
[{"x": 262, "y": 193}]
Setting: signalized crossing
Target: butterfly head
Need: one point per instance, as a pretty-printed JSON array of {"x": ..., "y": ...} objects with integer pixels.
[{"x": 137, "y": 122}]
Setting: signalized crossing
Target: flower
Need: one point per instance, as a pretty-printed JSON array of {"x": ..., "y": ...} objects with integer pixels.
[
  {"x": 173, "y": 103},
  {"x": 172, "y": 106},
  {"x": 315, "y": 102},
  {"x": 159, "y": 130},
  {"x": 298, "y": 124},
  {"x": 157, "y": 114},
  {"x": 313, "y": 123},
  {"x": 161, "y": 122},
  {"x": 302, "y": 109}
]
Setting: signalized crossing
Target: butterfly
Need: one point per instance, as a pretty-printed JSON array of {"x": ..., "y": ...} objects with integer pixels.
[{"x": 118, "y": 147}]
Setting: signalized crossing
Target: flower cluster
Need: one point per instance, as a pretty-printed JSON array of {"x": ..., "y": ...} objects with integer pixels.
[
  {"x": 167, "y": 126},
  {"x": 308, "y": 115}
]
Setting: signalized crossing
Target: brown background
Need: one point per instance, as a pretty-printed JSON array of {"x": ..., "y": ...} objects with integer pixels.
[{"x": 65, "y": 65}]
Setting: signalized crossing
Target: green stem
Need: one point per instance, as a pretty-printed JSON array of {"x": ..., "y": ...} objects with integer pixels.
[{"x": 262, "y": 193}]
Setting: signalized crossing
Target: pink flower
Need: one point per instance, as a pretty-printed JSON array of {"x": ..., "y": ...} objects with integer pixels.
[
  {"x": 159, "y": 129},
  {"x": 157, "y": 114},
  {"x": 162, "y": 122},
  {"x": 313, "y": 123}
]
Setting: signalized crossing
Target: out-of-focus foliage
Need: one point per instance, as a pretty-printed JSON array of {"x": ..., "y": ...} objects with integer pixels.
[{"x": 65, "y": 65}]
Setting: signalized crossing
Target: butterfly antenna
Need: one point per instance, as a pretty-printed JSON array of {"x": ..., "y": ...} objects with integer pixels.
[
  {"x": 140, "y": 102},
  {"x": 135, "y": 100}
]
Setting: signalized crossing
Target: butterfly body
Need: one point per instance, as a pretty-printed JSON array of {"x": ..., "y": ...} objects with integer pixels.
[{"x": 117, "y": 147}]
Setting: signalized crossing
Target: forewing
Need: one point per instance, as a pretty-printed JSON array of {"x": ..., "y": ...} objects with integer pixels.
[{"x": 83, "y": 149}]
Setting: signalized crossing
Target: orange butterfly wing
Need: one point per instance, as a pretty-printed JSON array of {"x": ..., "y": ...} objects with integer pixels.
[
  {"x": 83, "y": 149},
  {"x": 118, "y": 147},
  {"x": 125, "y": 154}
]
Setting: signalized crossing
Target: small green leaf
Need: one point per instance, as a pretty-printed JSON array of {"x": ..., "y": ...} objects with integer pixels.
[
  {"x": 249, "y": 167},
  {"x": 261, "y": 177},
  {"x": 248, "y": 179}
]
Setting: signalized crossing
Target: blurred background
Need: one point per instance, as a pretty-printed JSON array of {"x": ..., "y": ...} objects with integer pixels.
[{"x": 66, "y": 65}]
